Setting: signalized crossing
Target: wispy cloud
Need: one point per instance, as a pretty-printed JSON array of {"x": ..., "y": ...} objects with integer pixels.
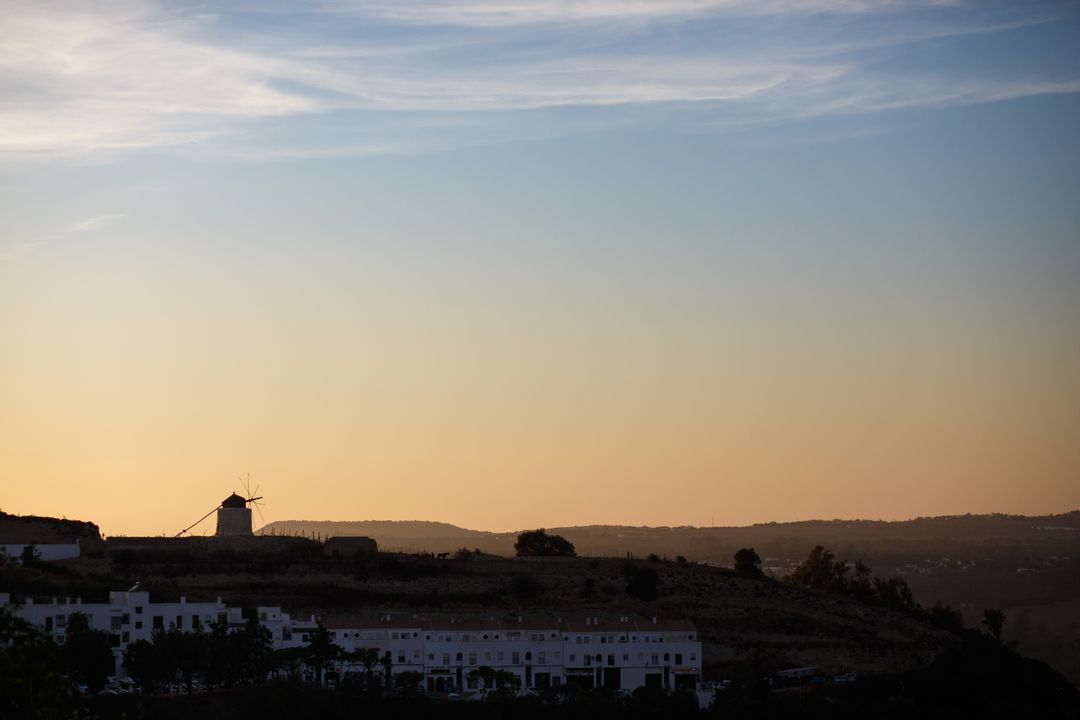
[
  {"x": 131, "y": 74},
  {"x": 18, "y": 249},
  {"x": 93, "y": 223},
  {"x": 496, "y": 13}
]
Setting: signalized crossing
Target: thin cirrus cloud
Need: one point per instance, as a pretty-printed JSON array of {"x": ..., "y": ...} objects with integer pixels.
[
  {"x": 131, "y": 75},
  {"x": 94, "y": 223},
  {"x": 493, "y": 13},
  {"x": 11, "y": 252}
]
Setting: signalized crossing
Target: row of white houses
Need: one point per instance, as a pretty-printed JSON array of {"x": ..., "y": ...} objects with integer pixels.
[{"x": 622, "y": 652}]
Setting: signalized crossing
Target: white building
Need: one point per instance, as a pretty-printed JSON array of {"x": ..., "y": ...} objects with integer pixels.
[
  {"x": 618, "y": 653},
  {"x": 44, "y": 551}
]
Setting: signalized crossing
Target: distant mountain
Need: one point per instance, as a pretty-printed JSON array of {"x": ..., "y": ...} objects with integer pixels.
[
  {"x": 390, "y": 529},
  {"x": 952, "y": 534}
]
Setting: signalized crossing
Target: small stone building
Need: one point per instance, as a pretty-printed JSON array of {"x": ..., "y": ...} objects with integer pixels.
[{"x": 350, "y": 546}]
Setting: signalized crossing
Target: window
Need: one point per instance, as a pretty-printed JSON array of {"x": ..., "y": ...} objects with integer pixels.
[
  {"x": 196, "y": 622},
  {"x": 401, "y": 657},
  {"x": 179, "y": 622},
  {"x": 610, "y": 659},
  {"x": 528, "y": 656},
  {"x": 125, "y": 637},
  {"x": 487, "y": 657},
  {"x": 693, "y": 657},
  {"x": 126, "y": 619},
  {"x": 626, "y": 657},
  {"x": 667, "y": 657},
  {"x": 500, "y": 656},
  {"x": 654, "y": 659},
  {"x": 543, "y": 658},
  {"x": 159, "y": 622},
  {"x": 431, "y": 657},
  {"x": 116, "y": 622},
  {"x": 138, "y": 609},
  {"x": 458, "y": 658},
  {"x": 61, "y": 621},
  {"x": 472, "y": 658},
  {"x": 588, "y": 659},
  {"x": 138, "y": 624},
  {"x": 416, "y": 655},
  {"x": 515, "y": 658},
  {"x": 446, "y": 659}
]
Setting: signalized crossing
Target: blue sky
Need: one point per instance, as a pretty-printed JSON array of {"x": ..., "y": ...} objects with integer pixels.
[{"x": 665, "y": 205}]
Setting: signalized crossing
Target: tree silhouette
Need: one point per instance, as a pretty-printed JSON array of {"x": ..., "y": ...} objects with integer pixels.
[
  {"x": 994, "y": 620},
  {"x": 537, "y": 543},
  {"x": 86, "y": 652},
  {"x": 748, "y": 562},
  {"x": 321, "y": 651}
]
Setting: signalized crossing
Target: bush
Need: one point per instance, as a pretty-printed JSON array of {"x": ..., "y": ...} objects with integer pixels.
[{"x": 537, "y": 543}]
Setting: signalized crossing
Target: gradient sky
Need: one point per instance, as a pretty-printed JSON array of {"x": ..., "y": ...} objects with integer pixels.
[{"x": 537, "y": 263}]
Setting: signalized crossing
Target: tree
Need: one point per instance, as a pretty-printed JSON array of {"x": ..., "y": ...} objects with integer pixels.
[
  {"x": 821, "y": 571},
  {"x": 30, "y": 684},
  {"x": 409, "y": 680},
  {"x": 526, "y": 587},
  {"x": 643, "y": 584},
  {"x": 994, "y": 620},
  {"x": 142, "y": 664},
  {"x": 86, "y": 652},
  {"x": 895, "y": 594},
  {"x": 252, "y": 651},
  {"x": 369, "y": 658},
  {"x": 537, "y": 543},
  {"x": 30, "y": 556},
  {"x": 321, "y": 651},
  {"x": 748, "y": 562}
]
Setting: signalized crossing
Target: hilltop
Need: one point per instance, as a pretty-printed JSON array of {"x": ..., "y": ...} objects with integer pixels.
[{"x": 25, "y": 529}]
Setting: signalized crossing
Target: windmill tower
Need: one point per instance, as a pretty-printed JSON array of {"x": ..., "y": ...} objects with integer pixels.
[{"x": 233, "y": 514}]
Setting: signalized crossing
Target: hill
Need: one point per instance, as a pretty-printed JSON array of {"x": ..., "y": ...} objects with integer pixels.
[{"x": 34, "y": 529}]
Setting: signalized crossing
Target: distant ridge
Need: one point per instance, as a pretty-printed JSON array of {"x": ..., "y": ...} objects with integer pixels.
[
  {"x": 710, "y": 543},
  {"x": 385, "y": 528}
]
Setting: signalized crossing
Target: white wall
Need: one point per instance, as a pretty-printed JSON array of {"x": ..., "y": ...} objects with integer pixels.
[{"x": 45, "y": 551}]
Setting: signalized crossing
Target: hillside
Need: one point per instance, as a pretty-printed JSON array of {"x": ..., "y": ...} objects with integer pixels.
[
  {"x": 1028, "y": 566},
  {"x": 33, "y": 529},
  {"x": 713, "y": 543}
]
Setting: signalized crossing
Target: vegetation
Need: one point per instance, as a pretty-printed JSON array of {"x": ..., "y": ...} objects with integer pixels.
[
  {"x": 86, "y": 653},
  {"x": 748, "y": 562},
  {"x": 537, "y": 543},
  {"x": 641, "y": 583},
  {"x": 994, "y": 620},
  {"x": 822, "y": 571}
]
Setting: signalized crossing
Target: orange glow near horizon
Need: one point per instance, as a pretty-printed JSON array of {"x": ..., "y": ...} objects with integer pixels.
[{"x": 113, "y": 416}]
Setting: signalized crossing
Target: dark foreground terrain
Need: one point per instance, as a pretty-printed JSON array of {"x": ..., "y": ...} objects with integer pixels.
[
  {"x": 976, "y": 679},
  {"x": 911, "y": 659}
]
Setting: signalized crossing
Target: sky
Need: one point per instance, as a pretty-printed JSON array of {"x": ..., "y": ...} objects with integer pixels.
[{"x": 536, "y": 263}]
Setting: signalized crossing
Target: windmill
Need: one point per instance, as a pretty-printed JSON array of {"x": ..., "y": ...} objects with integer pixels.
[{"x": 233, "y": 513}]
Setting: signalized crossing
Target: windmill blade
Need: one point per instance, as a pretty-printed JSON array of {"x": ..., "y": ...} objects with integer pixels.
[
  {"x": 257, "y": 486},
  {"x": 258, "y": 510}
]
